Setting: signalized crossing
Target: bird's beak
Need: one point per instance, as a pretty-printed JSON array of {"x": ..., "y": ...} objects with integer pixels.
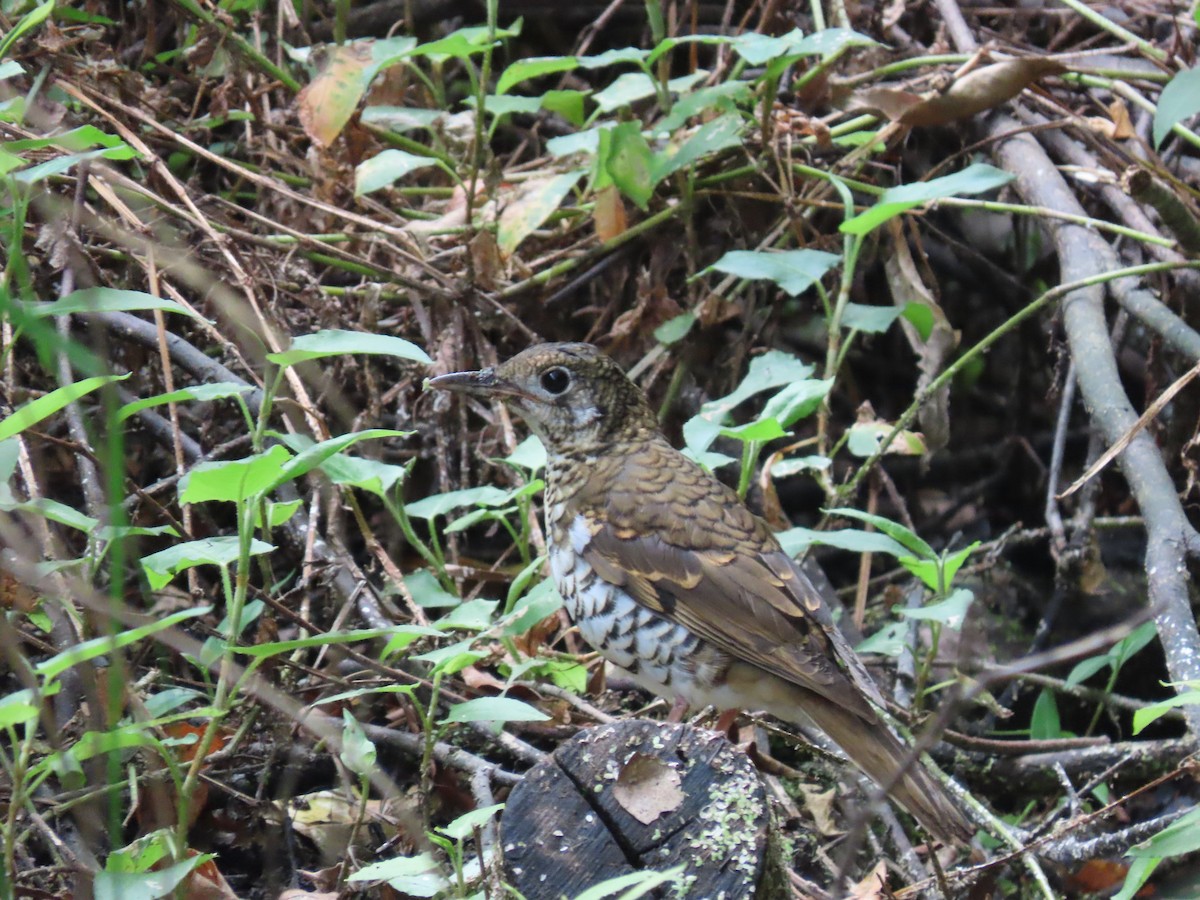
[{"x": 481, "y": 383}]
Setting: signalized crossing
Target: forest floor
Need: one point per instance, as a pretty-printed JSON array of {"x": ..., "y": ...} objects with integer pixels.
[{"x": 902, "y": 274}]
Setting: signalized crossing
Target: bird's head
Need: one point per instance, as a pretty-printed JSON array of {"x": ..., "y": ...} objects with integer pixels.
[{"x": 572, "y": 395}]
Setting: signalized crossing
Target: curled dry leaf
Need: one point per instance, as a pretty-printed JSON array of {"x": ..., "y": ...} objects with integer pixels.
[
  {"x": 981, "y": 90},
  {"x": 647, "y": 788},
  {"x": 609, "y": 213},
  {"x": 326, "y": 103},
  {"x": 975, "y": 92},
  {"x": 933, "y": 344},
  {"x": 873, "y": 887}
]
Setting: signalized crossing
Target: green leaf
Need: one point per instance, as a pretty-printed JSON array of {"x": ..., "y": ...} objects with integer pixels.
[
  {"x": 1086, "y": 668},
  {"x": 386, "y": 168},
  {"x": 27, "y": 23},
  {"x": 614, "y": 57},
  {"x": 318, "y": 454},
  {"x": 758, "y": 49},
  {"x": 474, "y": 615},
  {"x": 145, "y": 885},
  {"x": 452, "y": 658},
  {"x": 1143, "y": 717},
  {"x": 797, "y": 540},
  {"x": 466, "y": 42},
  {"x": 36, "y": 410},
  {"x": 164, "y": 565},
  {"x": 975, "y": 179},
  {"x": 404, "y": 635},
  {"x": 1044, "y": 725},
  {"x": 55, "y": 512},
  {"x": 726, "y": 97},
  {"x": 951, "y": 612},
  {"x": 61, "y": 164},
  {"x": 1139, "y": 873},
  {"x": 772, "y": 369},
  {"x": 414, "y": 876},
  {"x": 24, "y": 706},
  {"x": 541, "y": 602},
  {"x": 203, "y": 393},
  {"x": 795, "y": 271},
  {"x": 797, "y": 401},
  {"x": 104, "y": 299},
  {"x": 426, "y": 592},
  {"x": 494, "y": 709},
  {"x": 1129, "y": 645},
  {"x": 628, "y": 163},
  {"x": 234, "y": 480},
  {"x": 358, "y": 752},
  {"x": 533, "y": 67},
  {"x": 719, "y": 134},
  {"x": 567, "y": 103},
  {"x": 535, "y": 202},
  {"x": 675, "y": 329},
  {"x": 871, "y": 319},
  {"x": 924, "y": 569},
  {"x": 798, "y": 464},
  {"x": 761, "y": 430},
  {"x": 464, "y": 826},
  {"x": 634, "y": 86},
  {"x": 635, "y": 884},
  {"x": 274, "y": 648},
  {"x": 51, "y": 668},
  {"x": 955, "y": 561},
  {"x": 530, "y": 455},
  {"x": 921, "y": 317},
  {"x": 894, "y": 530},
  {"x": 440, "y": 504},
  {"x": 887, "y": 641},
  {"x": 1180, "y": 837},
  {"x": 335, "y": 342},
  {"x": 1179, "y": 100}
]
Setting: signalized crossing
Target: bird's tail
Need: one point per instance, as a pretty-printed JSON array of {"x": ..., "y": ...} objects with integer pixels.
[{"x": 880, "y": 754}]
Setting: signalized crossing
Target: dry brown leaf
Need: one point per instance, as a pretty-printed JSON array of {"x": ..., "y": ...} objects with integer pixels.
[
  {"x": 326, "y": 103},
  {"x": 609, "y": 213},
  {"x": 207, "y": 883},
  {"x": 819, "y": 804},
  {"x": 907, "y": 287},
  {"x": 981, "y": 90},
  {"x": 647, "y": 787},
  {"x": 873, "y": 887},
  {"x": 1123, "y": 125},
  {"x": 892, "y": 102}
]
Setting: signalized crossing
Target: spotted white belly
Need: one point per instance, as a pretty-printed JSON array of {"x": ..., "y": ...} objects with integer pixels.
[{"x": 658, "y": 654}]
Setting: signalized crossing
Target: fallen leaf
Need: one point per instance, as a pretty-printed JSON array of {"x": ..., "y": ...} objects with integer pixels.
[
  {"x": 873, "y": 887},
  {"x": 819, "y": 804},
  {"x": 980, "y": 90},
  {"x": 647, "y": 787},
  {"x": 326, "y": 103},
  {"x": 609, "y": 213},
  {"x": 892, "y": 102},
  {"x": 933, "y": 342}
]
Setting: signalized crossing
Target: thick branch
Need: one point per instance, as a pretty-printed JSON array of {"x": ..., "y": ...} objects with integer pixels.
[{"x": 1083, "y": 253}]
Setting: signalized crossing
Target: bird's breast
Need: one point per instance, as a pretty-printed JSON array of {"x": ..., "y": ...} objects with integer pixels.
[{"x": 660, "y": 655}]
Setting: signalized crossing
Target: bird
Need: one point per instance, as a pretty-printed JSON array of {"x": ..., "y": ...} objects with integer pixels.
[{"x": 670, "y": 576}]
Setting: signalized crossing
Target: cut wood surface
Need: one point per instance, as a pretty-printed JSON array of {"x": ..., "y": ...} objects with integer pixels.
[{"x": 639, "y": 795}]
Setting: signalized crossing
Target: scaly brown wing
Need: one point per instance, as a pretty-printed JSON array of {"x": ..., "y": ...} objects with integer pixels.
[{"x": 685, "y": 546}]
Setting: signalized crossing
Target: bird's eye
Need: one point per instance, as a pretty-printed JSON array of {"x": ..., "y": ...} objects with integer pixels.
[{"x": 556, "y": 380}]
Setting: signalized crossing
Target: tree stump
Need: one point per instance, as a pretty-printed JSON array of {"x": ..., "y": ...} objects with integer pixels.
[{"x": 641, "y": 796}]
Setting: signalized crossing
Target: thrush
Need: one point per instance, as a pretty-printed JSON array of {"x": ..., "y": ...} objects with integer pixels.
[{"x": 672, "y": 579}]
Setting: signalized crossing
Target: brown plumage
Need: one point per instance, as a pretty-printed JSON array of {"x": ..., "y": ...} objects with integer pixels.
[{"x": 671, "y": 577}]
